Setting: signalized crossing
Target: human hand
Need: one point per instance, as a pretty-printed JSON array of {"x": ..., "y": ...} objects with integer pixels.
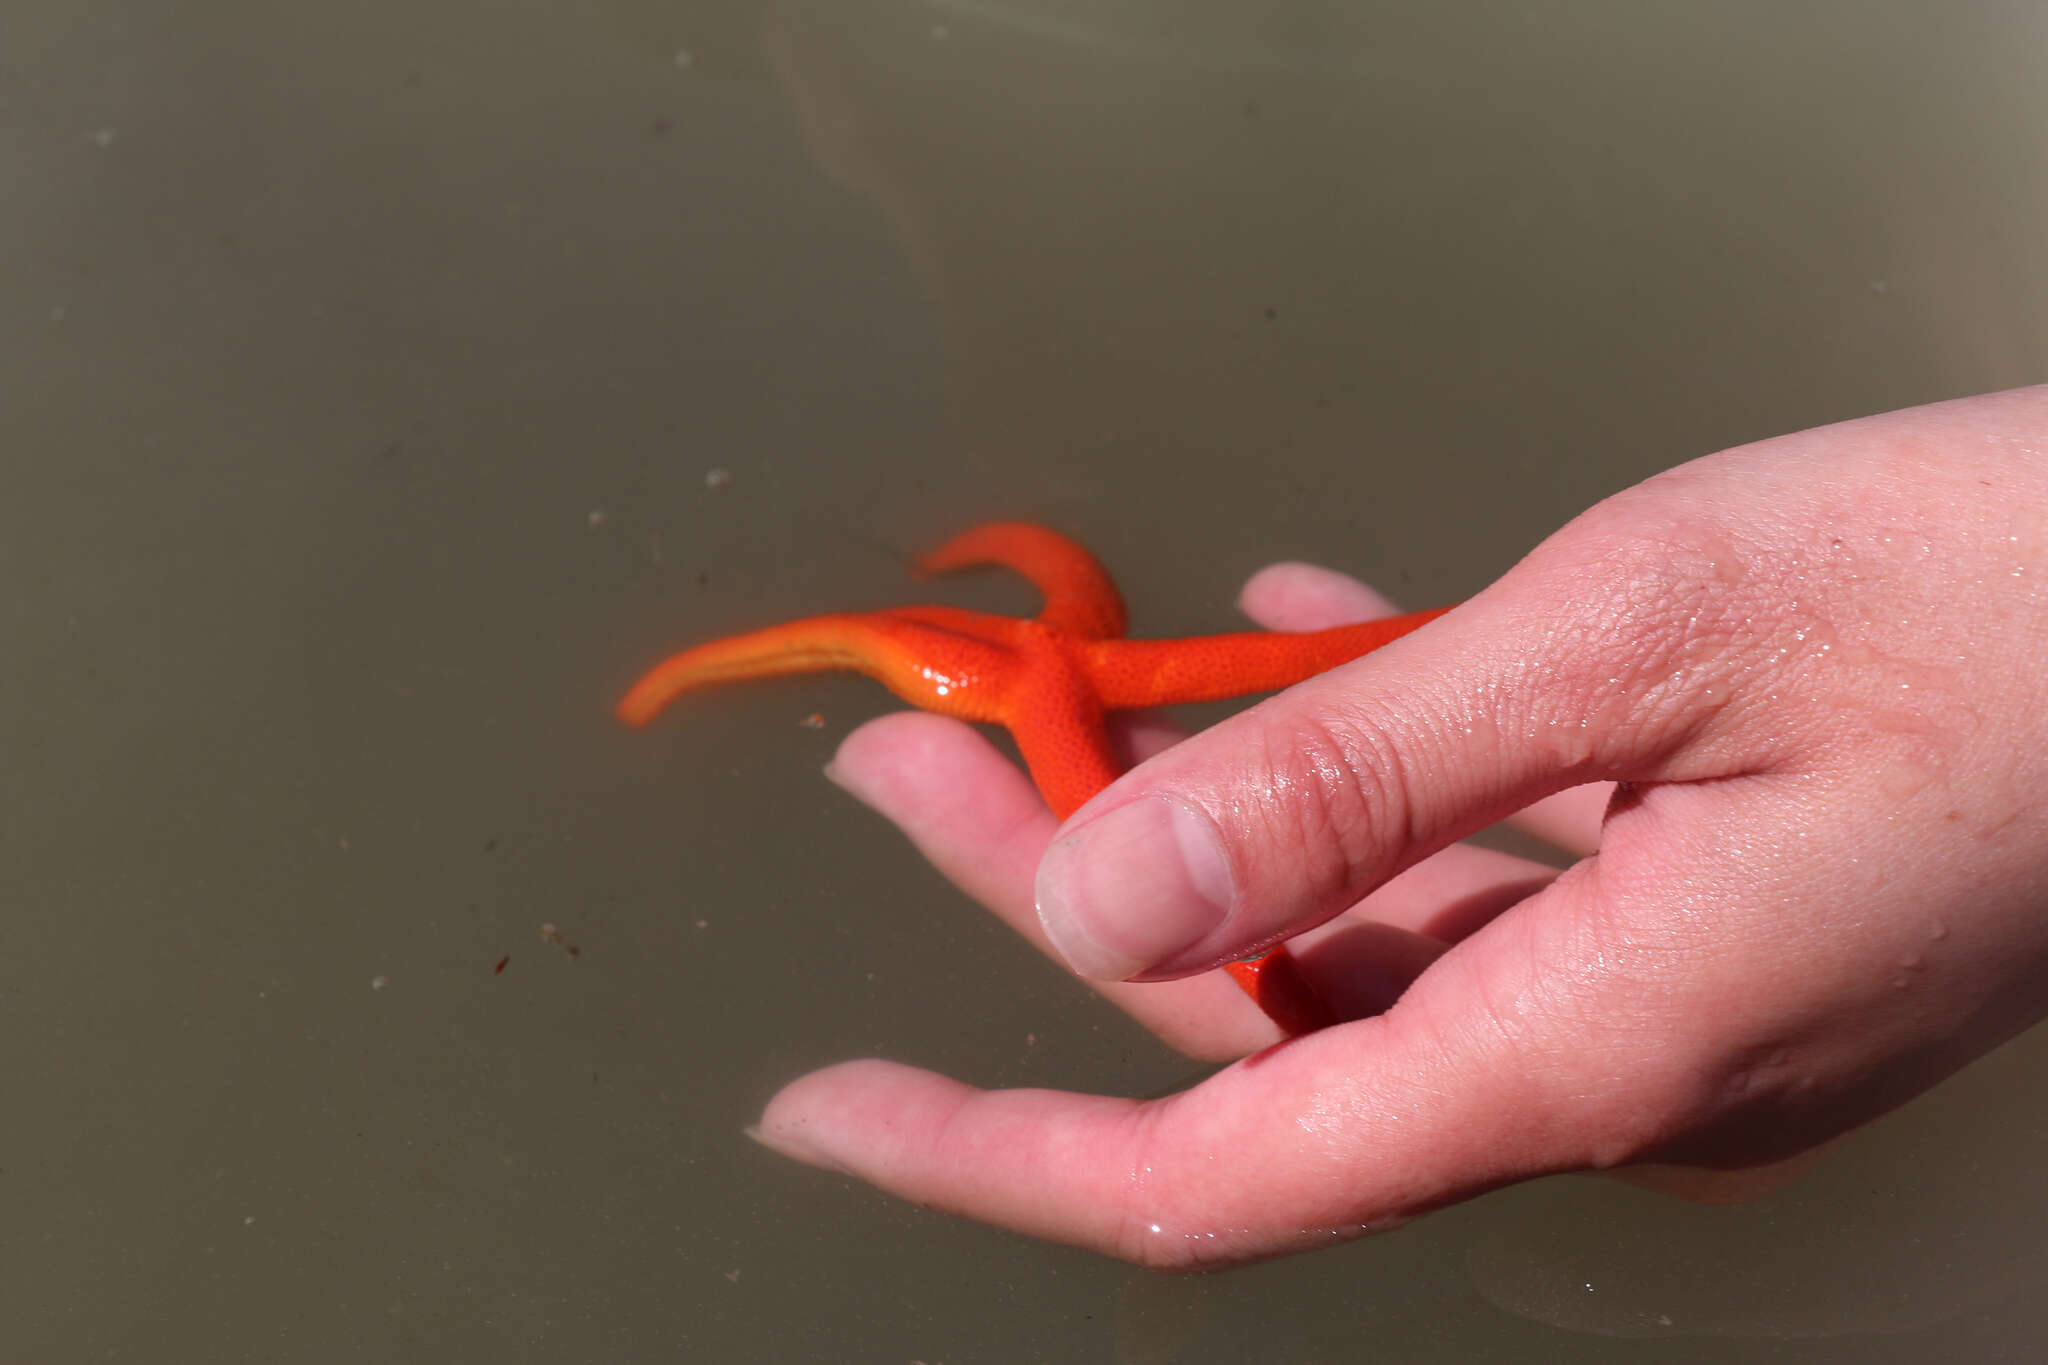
[{"x": 1814, "y": 664}]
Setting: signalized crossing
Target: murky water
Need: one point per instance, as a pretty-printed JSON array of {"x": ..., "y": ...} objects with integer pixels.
[{"x": 362, "y": 372}]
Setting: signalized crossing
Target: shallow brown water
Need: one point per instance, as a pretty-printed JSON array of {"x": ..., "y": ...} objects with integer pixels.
[{"x": 363, "y": 369}]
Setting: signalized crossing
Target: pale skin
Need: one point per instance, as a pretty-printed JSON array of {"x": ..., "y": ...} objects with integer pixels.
[{"x": 1819, "y": 667}]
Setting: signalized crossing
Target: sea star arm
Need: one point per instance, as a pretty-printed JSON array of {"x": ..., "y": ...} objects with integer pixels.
[
  {"x": 1080, "y": 597},
  {"x": 1212, "y": 667},
  {"x": 1061, "y": 731},
  {"x": 927, "y": 664}
]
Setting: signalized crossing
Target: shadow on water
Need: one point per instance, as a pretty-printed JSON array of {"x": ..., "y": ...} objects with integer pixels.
[{"x": 1931, "y": 1213}]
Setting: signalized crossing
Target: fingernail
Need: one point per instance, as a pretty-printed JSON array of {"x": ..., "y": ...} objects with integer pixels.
[{"x": 1133, "y": 888}]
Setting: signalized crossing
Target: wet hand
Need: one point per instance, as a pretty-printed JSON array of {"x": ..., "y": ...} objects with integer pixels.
[{"x": 1813, "y": 663}]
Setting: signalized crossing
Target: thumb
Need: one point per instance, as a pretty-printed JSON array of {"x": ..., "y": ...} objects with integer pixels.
[{"x": 1290, "y": 812}]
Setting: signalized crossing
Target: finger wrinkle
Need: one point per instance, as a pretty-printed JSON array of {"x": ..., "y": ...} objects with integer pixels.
[{"x": 1326, "y": 805}]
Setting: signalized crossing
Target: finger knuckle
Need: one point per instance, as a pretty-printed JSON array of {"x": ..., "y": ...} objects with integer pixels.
[
  {"x": 1667, "y": 619},
  {"x": 1335, "y": 798}
]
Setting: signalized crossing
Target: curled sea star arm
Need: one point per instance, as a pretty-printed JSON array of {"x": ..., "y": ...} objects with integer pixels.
[{"x": 1080, "y": 597}]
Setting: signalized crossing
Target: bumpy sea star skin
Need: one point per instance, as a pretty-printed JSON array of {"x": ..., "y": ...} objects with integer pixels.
[{"x": 1048, "y": 679}]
